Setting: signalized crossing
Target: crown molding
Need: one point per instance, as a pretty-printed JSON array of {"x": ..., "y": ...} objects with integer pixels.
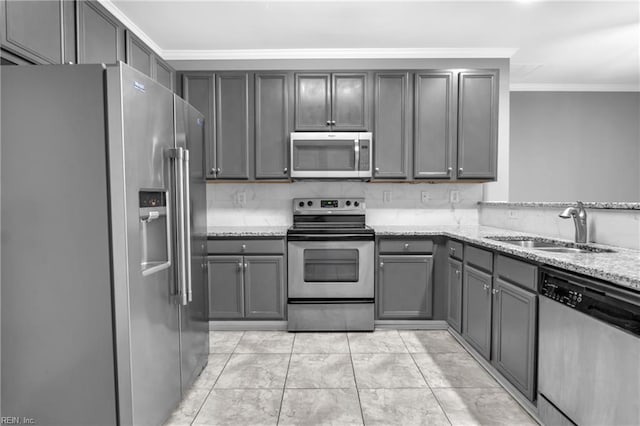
[
  {"x": 113, "y": 9},
  {"x": 549, "y": 87},
  {"x": 355, "y": 53}
]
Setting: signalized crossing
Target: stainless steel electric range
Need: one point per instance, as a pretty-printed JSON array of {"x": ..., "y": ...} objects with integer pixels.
[{"x": 330, "y": 265}]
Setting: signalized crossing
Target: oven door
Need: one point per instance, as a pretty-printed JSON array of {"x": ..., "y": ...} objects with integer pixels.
[{"x": 330, "y": 269}]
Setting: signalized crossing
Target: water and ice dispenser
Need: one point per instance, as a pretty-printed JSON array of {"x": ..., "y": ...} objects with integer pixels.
[{"x": 155, "y": 232}]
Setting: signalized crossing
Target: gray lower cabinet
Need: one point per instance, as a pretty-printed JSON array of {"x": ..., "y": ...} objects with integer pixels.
[
  {"x": 234, "y": 124},
  {"x": 454, "y": 294},
  {"x": 36, "y": 30},
  {"x": 477, "y": 124},
  {"x": 476, "y": 309},
  {"x": 514, "y": 335},
  {"x": 251, "y": 287},
  {"x": 100, "y": 35},
  {"x": 404, "y": 287},
  {"x": 391, "y": 125},
  {"x": 273, "y": 122},
  {"x": 226, "y": 287}
]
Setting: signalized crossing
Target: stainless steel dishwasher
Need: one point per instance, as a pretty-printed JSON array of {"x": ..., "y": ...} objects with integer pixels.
[{"x": 589, "y": 351}]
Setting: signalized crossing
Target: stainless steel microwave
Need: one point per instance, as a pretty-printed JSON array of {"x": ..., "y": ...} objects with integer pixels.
[{"x": 343, "y": 155}]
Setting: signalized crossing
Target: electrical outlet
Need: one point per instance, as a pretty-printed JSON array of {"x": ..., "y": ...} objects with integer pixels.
[
  {"x": 241, "y": 198},
  {"x": 386, "y": 196},
  {"x": 513, "y": 214},
  {"x": 424, "y": 196},
  {"x": 454, "y": 197}
]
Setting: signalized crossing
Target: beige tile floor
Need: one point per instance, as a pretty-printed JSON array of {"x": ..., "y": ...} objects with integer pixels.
[{"x": 407, "y": 377}]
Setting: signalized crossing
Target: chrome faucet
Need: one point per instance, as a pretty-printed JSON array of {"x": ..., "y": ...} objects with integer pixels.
[{"x": 579, "y": 215}]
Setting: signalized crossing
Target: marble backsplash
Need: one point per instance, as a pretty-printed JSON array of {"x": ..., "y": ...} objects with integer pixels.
[
  {"x": 269, "y": 204},
  {"x": 617, "y": 227}
]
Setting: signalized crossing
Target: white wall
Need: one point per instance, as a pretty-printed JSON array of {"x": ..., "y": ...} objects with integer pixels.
[
  {"x": 270, "y": 204},
  {"x": 574, "y": 146}
]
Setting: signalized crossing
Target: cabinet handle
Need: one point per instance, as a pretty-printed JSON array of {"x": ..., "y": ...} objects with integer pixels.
[
  {"x": 333, "y": 122},
  {"x": 449, "y": 170},
  {"x": 239, "y": 266},
  {"x": 457, "y": 272},
  {"x": 213, "y": 171},
  {"x": 460, "y": 169},
  {"x": 328, "y": 123},
  {"x": 406, "y": 245},
  {"x": 244, "y": 247},
  {"x": 285, "y": 170},
  {"x": 494, "y": 291},
  {"x": 486, "y": 287},
  {"x": 381, "y": 264},
  {"x": 377, "y": 169},
  {"x": 218, "y": 170},
  {"x": 452, "y": 250},
  {"x": 246, "y": 266}
]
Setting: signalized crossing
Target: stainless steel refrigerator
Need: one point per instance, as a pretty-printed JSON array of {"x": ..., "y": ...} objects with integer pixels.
[{"x": 103, "y": 221}]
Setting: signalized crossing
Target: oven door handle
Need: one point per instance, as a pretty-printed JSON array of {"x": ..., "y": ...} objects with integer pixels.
[{"x": 331, "y": 237}]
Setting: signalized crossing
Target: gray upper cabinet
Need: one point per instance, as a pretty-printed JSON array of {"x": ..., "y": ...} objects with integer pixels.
[
  {"x": 139, "y": 55},
  {"x": 35, "y": 30},
  {"x": 514, "y": 335},
  {"x": 391, "y": 125},
  {"x": 331, "y": 101},
  {"x": 477, "y": 124},
  {"x": 163, "y": 73},
  {"x": 265, "y": 290},
  {"x": 434, "y": 125},
  {"x": 454, "y": 294},
  {"x": 272, "y": 125},
  {"x": 198, "y": 90},
  {"x": 100, "y": 36},
  {"x": 476, "y": 309},
  {"x": 234, "y": 127}
]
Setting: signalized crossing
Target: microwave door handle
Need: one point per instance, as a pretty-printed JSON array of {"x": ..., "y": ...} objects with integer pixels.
[
  {"x": 187, "y": 229},
  {"x": 356, "y": 148}
]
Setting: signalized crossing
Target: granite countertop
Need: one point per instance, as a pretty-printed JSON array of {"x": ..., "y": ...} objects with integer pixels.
[
  {"x": 247, "y": 231},
  {"x": 621, "y": 267},
  {"x": 561, "y": 205}
]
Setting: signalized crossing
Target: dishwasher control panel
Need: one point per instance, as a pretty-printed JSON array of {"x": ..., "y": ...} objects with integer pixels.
[{"x": 566, "y": 294}]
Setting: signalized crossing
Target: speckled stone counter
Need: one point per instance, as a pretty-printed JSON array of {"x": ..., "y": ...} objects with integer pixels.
[
  {"x": 247, "y": 231},
  {"x": 561, "y": 205},
  {"x": 621, "y": 267}
]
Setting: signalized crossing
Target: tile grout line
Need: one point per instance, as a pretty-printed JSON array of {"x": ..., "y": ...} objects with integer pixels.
[
  {"x": 426, "y": 381},
  {"x": 355, "y": 380},
  {"x": 286, "y": 375},
  {"x": 217, "y": 378}
]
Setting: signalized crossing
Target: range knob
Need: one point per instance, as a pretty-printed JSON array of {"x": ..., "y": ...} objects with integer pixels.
[
  {"x": 301, "y": 204},
  {"x": 347, "y": 203},
  {"x": 355, "y": 203},
  {"x": 309, "y": 203}
]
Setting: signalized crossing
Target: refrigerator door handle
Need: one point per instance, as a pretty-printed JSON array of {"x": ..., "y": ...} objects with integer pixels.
[
  {"x": 177, "y": 155},
  {"x": 187, "y": 228}
]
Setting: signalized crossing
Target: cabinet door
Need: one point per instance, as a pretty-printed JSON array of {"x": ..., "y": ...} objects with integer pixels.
[
  {"x": 198, "y": 90},
  {"x": 226, "y": 288},
  {"x": 33, "y": 29},
  {"x": 264, "y": 287},
  {"x": 272, "y": 125},
  {"x": 162, "y": 72},
  {"x": 349, "y": 106},
  {"x": 476, "y": 309},
  {"x": 514, "y": 332},
  {"x": 100, "y": 35},
  {"x": 404, "y": 287},
  {"x": 454, "y": 295},
  {"x": 233, "y": 125},
  {"x": 139, "y": 55},
  {"x": 477, "y": 124},
  {"x": 391, "y": 119},
  {"x": 312, "y": 102},
  {"x": 434, "y": 125}
]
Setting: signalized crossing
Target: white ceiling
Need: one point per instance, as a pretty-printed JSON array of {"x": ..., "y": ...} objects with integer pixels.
[{"x": 553, "y": 45}]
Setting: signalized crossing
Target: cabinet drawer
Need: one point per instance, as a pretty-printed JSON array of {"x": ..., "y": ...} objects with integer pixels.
[
  {"x": 246, "y": 246},
  {"x": 480, "y": 258},
  {"x": 406, "y": 246},
  {"x": 518, "y": 272},
  {"x": 454, "y": 249}
]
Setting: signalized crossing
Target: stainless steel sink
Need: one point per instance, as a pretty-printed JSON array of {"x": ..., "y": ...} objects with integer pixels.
[{"x": 552, "y": 246}]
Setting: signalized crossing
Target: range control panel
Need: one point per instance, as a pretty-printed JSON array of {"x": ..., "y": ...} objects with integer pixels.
[{"x": 328, "y": 205}]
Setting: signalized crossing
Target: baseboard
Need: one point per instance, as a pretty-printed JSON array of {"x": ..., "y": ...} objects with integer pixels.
[
  {"x": 527, "y": 405},
  {"x": 248, "y": 325},
  {"x": 412, "y": 324}
]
